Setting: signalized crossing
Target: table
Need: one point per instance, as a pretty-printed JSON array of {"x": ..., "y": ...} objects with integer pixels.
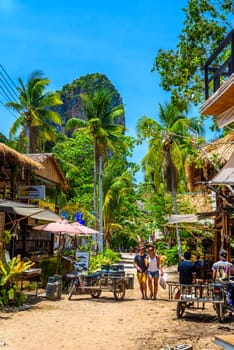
[{"x": 33, "y": 275}]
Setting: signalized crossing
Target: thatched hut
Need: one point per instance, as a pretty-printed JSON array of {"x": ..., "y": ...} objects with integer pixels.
[
  {"x": 212, "y": 158},
  {"x": 19, "y": 173},
  {"x": 15, "y": 169},
  {"x": 50, "y": 172}
]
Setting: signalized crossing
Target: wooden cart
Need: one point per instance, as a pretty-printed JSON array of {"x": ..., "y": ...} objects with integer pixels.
[
  {"x": 192, "y": 296},
  {"x": 114, "y": 281}
]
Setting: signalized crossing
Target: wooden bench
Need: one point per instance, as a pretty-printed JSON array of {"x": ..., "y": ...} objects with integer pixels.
[{"x": 225, "y": 341}]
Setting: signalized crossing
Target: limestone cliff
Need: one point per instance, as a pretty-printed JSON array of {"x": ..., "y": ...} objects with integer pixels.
[{"x": 70, "y": 95}]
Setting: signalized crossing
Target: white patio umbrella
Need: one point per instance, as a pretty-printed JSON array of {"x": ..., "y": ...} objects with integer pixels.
[
  {"x": 84, "y": 229},
  {"x": 61, "y": 226}
]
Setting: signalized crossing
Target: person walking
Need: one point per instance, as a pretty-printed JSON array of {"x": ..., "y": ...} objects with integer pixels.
[
  {"x": 140, "y": 263},
  {"x": 154, "y": 267}
]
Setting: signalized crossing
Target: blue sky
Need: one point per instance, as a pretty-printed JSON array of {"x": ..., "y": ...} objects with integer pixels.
[{"x": 69, "y": 39}]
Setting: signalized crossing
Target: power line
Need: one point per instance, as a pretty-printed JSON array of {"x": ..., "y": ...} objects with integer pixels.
[
  {"x": 9, "y": 78},
  {"x": 6, "y": 84},
  {"x": 8, "y": 89},
  {"x": 6, "y": 92},
  {"x": 9, "y": 110}
]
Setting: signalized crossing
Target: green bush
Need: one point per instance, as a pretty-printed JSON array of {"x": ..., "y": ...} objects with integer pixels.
[
  {"x": 49, "y": 267},
  {"x": 108, "y": 257},
  {"x": 9, "y": 273}
]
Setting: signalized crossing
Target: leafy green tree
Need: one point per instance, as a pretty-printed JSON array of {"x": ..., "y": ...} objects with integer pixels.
[
  {"x": 206, "y": 24},
  {"x": 119, "y": 188},
  {"x": 36, "y": 119},
  {"x": 101, "y": 127},
  {"x": 164, "y": 161},
  {"x": 75, "y": 156},
  {"x": 134, "y": 220}
]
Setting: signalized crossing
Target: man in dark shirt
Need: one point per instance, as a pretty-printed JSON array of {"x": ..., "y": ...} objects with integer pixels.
[
  {"x": 140, "y": 263},
  {"x": 186, "y": 268}
]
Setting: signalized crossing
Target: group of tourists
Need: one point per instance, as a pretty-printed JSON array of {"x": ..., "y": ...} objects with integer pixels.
[{"x": 149, "y": 269}]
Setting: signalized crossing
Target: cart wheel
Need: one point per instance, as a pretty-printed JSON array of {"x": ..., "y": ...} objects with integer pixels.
[
  {"x": 72, "y": 290},
  {"x": 180, "y": 309},
  {"x": 119, "y": 292},
  {"x": 69, "y": 286},
  {"x": 95, "y": 293},
  {"x": 219, "y": 308}
]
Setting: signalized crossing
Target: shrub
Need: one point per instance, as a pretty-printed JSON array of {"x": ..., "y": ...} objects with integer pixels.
[{"x": 9, "y": 271}]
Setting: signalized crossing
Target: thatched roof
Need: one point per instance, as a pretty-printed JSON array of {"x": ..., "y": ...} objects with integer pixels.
[
  {"x": 47, "y": 172},
  {"x": 9, "y": 156},
  {"x": 217, "y": 153},
  {"x": 221, "y": 148}
]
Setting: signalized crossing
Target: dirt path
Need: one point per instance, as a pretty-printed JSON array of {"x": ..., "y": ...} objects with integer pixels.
[{"x": 102, "y": 324}]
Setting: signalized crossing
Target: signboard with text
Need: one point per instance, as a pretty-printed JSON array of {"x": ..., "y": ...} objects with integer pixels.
[
  {"x": 82, "y": 259},
  {"x": 31, "y": 192}
]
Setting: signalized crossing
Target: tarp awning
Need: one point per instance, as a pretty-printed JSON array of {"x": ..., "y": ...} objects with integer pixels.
[
  {"x": 226, "y": 174},
  {"x": 202, "y": 218},
  {"x": 37, "y": 213},
  {"x": 27, "y": 210},
  {"x": 176, "y": 219}
]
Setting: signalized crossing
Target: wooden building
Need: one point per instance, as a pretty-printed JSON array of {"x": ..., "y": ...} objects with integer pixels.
[
  {"x": 19, "y": 213},
  {"x": 219, "y": 92}
]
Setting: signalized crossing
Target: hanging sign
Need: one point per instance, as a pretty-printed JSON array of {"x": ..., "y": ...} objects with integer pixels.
[{"x": 31, "y": 192}]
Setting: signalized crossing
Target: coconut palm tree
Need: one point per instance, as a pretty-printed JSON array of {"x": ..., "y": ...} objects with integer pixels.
[
  {"x": 101, "y": 126},
  {"x": 164, "y": 161},
  {"x": 119, "y": 188},
  {"x": 36, "y": 118}
]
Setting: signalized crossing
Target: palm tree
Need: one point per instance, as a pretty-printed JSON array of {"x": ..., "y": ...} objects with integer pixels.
[
  {"x": 36, "y": 119},
  {"x": 119, "y": 188},
  {"x": 164, "y": 161},
  {"x": 105, "y": 132}
]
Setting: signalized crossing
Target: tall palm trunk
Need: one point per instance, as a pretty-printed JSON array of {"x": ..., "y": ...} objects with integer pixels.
[
  {"x": 175, "y": 204},
  {"x": 95, "y": 185},
  {"x": 100, "y": 207},
  {"x": 28, "y": 135}
]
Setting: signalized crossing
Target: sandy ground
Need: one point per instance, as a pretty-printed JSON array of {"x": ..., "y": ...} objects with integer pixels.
[{"x": 102, "y": 324}]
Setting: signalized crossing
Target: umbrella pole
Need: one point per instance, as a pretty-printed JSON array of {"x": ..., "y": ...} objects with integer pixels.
[{"x": 58, "y": 255}]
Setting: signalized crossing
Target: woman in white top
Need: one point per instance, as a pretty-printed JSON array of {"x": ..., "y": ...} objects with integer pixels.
[{"x": 154, "y": 266}]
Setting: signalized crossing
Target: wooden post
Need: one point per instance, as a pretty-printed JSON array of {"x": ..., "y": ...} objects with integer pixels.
[{"x": 2, "y": 225}]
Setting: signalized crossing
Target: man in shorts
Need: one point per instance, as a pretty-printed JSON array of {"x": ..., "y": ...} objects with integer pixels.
[
  {"x": 140, "y": 263},
  {"x": 221, "y": 272}
]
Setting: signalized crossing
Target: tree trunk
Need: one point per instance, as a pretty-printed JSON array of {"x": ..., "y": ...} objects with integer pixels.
[
  {"x": 175, "y": 206},
  {"x": 100, "y": 207},
  {"x": 95, "y": 186},
  {"x": 107, "y": 239}
]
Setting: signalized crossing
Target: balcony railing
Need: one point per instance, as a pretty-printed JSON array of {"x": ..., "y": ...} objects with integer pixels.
[{"x": 216, "y": 73}]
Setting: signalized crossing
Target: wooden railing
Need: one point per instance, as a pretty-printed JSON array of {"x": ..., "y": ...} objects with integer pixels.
[{"x": 215, "y": 72}]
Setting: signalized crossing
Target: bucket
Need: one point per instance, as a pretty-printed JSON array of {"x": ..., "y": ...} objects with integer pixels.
[
  {"x": 130, "y": 281},
  {"x": 54, "y": 287}
]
